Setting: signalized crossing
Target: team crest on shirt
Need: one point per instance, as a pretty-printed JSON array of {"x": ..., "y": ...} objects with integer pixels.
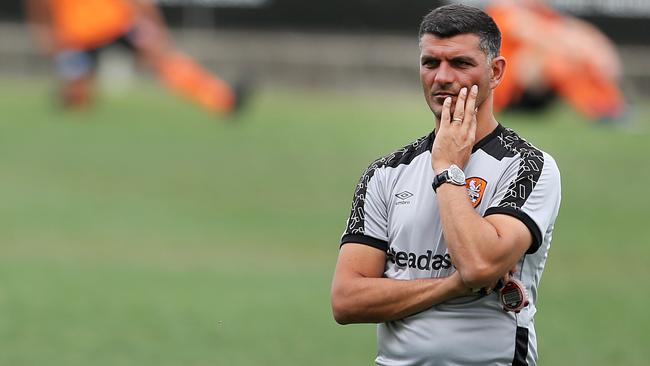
[{"x": 475, "y": 189}]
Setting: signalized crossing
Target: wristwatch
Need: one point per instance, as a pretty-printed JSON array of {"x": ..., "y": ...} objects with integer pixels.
[
  {"x": 513, "y": 296},
  {"x": 453, "y": 175}
]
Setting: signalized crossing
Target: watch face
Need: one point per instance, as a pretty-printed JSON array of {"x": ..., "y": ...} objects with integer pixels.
[
  {"x": 513, "y": 296},
  {"x": 456, "y": 174}
]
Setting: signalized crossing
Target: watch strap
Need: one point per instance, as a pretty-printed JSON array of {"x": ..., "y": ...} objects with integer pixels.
[{"x": 440, "y": 179}]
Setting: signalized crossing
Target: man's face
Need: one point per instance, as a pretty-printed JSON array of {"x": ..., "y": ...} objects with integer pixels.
[{"x": 449, "y": 64}]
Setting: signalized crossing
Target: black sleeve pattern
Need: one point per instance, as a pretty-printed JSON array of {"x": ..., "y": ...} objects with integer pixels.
[
  {"x": 405, "y": 155},
  {"x": 530, "y": 169}
]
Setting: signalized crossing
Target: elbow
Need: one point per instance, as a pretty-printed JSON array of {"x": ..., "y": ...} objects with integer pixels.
[
  {"x": 341, "y": 317},
  {"x": 341, "y": 307},
  {"x": 341, "y": 310},
  {"x": 348, "y": 308}
]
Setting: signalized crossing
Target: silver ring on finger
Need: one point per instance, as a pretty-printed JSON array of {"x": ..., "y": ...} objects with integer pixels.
[{"x": 457, "y": 119}]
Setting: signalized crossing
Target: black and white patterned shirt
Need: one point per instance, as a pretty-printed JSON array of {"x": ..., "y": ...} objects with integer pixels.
[{"x": 395, "y": 210}]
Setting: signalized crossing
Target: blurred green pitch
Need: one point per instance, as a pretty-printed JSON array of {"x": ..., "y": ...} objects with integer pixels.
[{"x": 146, "y": 233}]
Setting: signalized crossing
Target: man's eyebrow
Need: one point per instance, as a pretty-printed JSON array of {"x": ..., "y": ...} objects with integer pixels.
[
  {"x": 428, "y": 58},
  {"x": 467, "y": 59}
]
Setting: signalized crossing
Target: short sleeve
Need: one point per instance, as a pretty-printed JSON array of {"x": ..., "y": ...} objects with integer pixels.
[
  {"x": 368, "y": 221},
  {"x": 530, "y": 190}
]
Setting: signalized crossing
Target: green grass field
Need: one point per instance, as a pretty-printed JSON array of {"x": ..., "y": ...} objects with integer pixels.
[{"x": 147, "y": 233}]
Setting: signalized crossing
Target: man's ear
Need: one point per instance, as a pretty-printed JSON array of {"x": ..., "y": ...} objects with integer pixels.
[{"x": 498, "y": 69}]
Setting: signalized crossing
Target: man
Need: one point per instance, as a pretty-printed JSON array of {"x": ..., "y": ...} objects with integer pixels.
[
  {"x": 74, "y": 32},
  {"x": 423, "y": 237}
]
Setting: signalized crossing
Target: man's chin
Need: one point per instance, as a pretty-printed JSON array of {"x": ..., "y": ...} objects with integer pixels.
[
  {"x": 437, "y": 112},
  {"x": 436, "y": 109}
]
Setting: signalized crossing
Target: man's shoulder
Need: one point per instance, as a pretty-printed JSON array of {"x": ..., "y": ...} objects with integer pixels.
[
  {"x": 507, "y": 143},
  {"x": 404, "y": 155}
]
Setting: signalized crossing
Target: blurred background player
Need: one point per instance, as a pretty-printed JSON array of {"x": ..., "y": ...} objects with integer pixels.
[
  {"x": 553, "y": 54},
  {"x": 74, "y": 32}
]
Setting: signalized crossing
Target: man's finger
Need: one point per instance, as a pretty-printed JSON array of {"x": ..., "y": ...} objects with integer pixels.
[
  {"x": 459, "y": 111},
  {"x": 445, "y": 118},
  {"x": 470, "y": 105},
  {"x": 469, "y": 121}
]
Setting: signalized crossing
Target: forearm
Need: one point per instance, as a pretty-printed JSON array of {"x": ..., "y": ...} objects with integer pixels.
[
  {"x": 375, "y": 300},
  {"x": 473, "y": 242}
]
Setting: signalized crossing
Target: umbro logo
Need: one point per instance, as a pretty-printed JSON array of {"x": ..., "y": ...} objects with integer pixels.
[{"x": 404, "y": 195}]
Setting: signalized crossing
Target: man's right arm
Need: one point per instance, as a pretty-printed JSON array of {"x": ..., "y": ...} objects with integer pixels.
[{"x": 360, "y": 293}]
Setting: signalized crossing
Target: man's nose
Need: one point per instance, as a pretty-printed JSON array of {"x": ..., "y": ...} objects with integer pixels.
[{"x": 444, "y": 74}]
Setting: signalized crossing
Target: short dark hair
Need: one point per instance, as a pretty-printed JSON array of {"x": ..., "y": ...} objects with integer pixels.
[{"x": 452, "y": 20}]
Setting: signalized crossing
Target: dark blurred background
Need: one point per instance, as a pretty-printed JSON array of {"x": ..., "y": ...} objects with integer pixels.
[
  {"x": 620, "y": 19},
  {"x": 281, "y": 40}
]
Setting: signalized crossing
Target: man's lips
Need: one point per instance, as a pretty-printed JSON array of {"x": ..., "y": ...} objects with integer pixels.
[
  {"x": 444, "y": 95},
  {"x": 444, "y": 92}
]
